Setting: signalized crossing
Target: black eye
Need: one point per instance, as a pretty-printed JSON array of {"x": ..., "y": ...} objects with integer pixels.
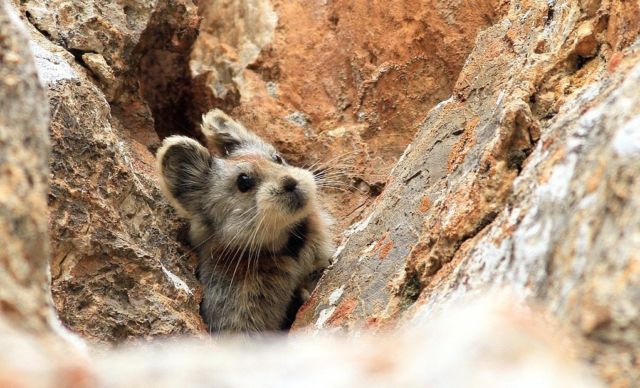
[
  {"x": 245, "y": 182},
  {"x": 278, "y": 159}
]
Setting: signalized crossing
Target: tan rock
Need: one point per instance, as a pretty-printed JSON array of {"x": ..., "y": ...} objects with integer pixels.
[
  {"x": 586, "y": 41},
  {"x": 24, "y": 247},
  {"x": 117, "y": 270},
  {"x": 103, "y": 72},
  {"x": 370, "y": 65}
]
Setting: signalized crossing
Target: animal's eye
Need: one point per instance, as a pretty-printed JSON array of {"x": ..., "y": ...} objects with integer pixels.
[
  {"x": 245, "y": 182},
  {"x": 278, "y": 159}
]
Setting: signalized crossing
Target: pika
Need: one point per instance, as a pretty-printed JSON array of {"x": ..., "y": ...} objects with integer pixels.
[{"x": 260, "y": 232}]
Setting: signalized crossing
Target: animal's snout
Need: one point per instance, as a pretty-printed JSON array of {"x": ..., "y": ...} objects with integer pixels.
[{"x": 289, "y": 184}]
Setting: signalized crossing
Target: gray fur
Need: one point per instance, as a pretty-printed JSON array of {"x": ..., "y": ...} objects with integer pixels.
[{"x": 256, "y": 248}]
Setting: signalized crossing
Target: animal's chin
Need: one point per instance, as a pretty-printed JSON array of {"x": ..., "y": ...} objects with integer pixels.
[{"x": 287, "y": 209}]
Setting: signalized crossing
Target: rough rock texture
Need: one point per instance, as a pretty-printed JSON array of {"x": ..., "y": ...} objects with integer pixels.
[
  {"x": 114, "y": 245},
  {"x": 135, "y": 51},
  {"x": 114, "y": 251},
  {"x": 526, "y": 178},
  {"x": 24, "y": 252}
]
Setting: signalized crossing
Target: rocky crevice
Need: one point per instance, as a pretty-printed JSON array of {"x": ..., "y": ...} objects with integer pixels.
[
  {"x": 514, "y": 126},
  {"x": 161, "y": 71}
]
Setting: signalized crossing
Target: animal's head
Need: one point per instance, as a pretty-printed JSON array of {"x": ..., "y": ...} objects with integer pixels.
[{"x": 245, "y": 191}]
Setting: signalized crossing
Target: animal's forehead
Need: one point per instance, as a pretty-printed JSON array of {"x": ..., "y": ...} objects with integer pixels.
[
  {"x": 252, "y": 162},
  {"x": 249, "y": 159},
  {"x": 257, "y": 163},
  {"x": 259, "y": 149}
]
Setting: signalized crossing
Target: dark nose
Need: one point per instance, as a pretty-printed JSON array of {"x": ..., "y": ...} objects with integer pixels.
[{"x": 289, "y": 184}]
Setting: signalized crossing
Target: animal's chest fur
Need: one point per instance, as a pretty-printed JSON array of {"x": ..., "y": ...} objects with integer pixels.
[
  {"x": 254, "y": 299},
  {"x": 249, "y": 291}
]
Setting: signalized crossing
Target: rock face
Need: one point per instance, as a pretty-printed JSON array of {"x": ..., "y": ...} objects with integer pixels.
[
  {"x": 114, "y": 264},
  {"x": 117, "y": 270},
  {"x": 523, "y": 175},
  {"x": 526, "y": 178},
  {"x": 24, "y": 286}
]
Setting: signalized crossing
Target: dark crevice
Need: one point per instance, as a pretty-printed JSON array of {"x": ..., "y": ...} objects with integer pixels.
[
  {"x": 45, "y": 33},
  {"x": 176, "y": 100},
  {"x": 412, "y": 285},
  {"x": 550, "y": 14},
  {"x": 580, "y": 61},
  {"x": 410, "y": 290},
  {"x": 162, "y": 72},
  {"x": 77, "y": 54}
]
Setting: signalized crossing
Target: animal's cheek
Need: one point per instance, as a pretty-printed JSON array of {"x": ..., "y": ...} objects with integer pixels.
[
  {"x": 307, "y": 182},
  {"x": 264, "y": 196},
  {"x": 307, "y": 189}
]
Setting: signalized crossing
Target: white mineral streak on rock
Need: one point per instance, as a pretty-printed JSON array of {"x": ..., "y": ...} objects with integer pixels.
[
  {"x": 335, "y": 295},
  {"x": 176, "y": 281},
  {"x": 51, "y": 67},
  {"x": 324, "y": 316}
]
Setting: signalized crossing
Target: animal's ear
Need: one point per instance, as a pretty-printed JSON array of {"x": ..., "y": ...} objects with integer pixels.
[
  {"x": 226, "y": 135},
  {"x": 185, "y": 169}
]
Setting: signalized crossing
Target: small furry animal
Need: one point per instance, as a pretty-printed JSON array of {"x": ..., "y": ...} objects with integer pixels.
[{"x": 261, "y": 234}]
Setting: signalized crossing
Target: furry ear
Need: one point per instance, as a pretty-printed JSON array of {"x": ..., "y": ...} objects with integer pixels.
[
  {"x": 226, "y": 135},
  {"x": 185, "y": 169}
]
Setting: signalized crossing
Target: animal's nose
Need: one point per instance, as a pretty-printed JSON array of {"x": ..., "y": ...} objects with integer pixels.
[{"x": 289, "y": 183}]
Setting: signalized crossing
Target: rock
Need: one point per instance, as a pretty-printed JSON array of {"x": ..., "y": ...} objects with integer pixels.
[
  {"x": 24, "y": 287},
  {"x": 232, "y": 37},
  {"x": 520, "y": 180},
  {"x": 117, "y": 270},
  {"x": 445, "y": 352},
  {"x": 101, "y": 69},
  {"x": 136, "y": 51},
  {"x": 586, "y": 42},
  {"x": 95, "y": 27}
]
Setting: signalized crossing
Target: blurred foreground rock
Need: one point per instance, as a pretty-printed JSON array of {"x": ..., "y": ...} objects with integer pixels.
[
  {"x": 24, "y": 145},
  {"x": 447, "y": 352}
]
